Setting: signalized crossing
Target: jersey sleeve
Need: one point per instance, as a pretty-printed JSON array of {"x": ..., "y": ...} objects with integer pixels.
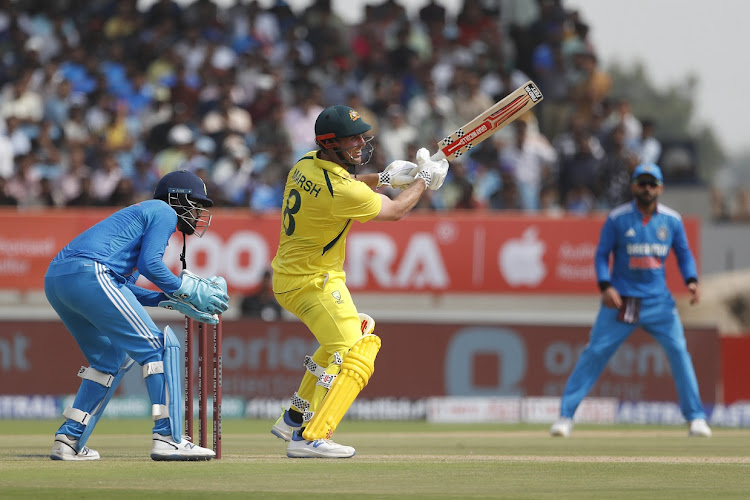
[
  {"x": 604, "y": 249},
  {"x": 357, "y": 202},
  {"x": 148, "y": 298},
  {"x": 159, "y": 226},
  {"x": 681, "y": 248}
]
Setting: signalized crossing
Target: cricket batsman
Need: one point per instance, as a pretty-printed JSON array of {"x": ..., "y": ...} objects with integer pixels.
[{"x": 323, "y": 196}]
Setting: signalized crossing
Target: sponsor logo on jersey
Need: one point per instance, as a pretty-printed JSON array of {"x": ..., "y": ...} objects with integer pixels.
[{"x": 657, "y": 249}]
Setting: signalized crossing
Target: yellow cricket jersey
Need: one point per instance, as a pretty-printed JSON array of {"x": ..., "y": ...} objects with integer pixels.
[{"x": 320, "y": 201}]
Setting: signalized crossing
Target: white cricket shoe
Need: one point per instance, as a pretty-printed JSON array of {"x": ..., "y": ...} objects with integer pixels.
[
  {"x": 562, "y": 427},
  {"x": 284, "y": 427},
  {"x": 167, "y": 449},
  {"x": 320, "y": 448},
  {"x": 64, "y": 448},
  {"x": 699, "y": 428}
]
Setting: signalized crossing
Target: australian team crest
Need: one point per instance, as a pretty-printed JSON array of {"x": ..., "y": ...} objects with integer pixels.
[
  {"x": 353, "y": 115},
  {"x": 337, "y": 296}
]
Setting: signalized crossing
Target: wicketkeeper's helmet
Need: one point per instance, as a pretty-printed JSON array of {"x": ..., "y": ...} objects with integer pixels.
[{"x": 186, "y": 193}]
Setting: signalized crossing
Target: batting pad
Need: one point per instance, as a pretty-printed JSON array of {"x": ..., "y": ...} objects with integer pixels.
[{"x": 356, "y": 370}]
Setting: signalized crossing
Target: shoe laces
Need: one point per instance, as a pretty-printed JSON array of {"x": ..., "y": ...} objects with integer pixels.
[{"x": 327, "y": 441}]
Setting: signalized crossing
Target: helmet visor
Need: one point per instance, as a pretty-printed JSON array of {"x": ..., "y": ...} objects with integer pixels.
[{"x": 195, "y": 218}]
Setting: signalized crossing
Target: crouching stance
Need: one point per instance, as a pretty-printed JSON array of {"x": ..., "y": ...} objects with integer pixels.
[
  {"x": 323, "y": 195},
  {"x": 91, "y": 286}
]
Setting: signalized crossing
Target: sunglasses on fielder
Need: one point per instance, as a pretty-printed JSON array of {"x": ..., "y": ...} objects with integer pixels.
[{"x": 653, "y": 184}]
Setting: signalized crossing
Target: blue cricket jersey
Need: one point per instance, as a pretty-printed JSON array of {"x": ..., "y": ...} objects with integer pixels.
[
  {"x": 640, "y": 250},
  {"x": 129, "y": 242}
]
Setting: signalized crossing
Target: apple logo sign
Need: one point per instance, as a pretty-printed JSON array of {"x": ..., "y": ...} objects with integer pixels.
[{"x": 520, "y": 259}]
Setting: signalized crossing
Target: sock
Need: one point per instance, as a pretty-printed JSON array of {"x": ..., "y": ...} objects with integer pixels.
[{"x": 295, "y": 416}]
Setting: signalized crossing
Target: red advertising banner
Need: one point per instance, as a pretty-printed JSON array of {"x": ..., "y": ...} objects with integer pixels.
[
  {"x": 446, "y": 252},
  {"x": 264, "y": 359},
  {"x": 735, "y": 369}
]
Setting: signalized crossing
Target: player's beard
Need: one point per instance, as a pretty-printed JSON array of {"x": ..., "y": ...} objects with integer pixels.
[
  {"x": 645, "y": 198},
  {"x": 184, "y": 227}
]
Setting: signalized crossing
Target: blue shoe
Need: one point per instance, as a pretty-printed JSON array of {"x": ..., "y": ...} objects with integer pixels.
[{"x": 285, "y": 426}]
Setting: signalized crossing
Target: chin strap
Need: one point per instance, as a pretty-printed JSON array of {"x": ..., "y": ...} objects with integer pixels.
[{"x": 184, "y": 250}]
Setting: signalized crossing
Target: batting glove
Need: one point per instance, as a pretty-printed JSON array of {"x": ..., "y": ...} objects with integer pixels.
[
  {"x": 398, "y": 174},
  {"x": 433, "y": 172}
]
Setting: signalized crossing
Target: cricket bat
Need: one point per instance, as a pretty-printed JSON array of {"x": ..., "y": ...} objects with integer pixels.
[{"x": 488, "y": 122}]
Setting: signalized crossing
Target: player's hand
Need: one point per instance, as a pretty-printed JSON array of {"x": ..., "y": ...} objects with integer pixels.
[
  {"x": 611, "y": 298},
  {"x": 220, "y": 282},
  {"x": 695, "y": 293},
  {"x": 202, "y": 294},
  {"x": 433, "y": 172},
  {"x": 189, "y": 311},
  {"x": 398, "y": 174}
]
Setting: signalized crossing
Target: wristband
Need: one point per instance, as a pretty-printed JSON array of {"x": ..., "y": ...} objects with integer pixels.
[{"x": 384, "y": 178}]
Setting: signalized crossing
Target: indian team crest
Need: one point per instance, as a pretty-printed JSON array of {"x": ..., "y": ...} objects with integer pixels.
[
  {"x": 662, "y": 233},
  {"x": 337, "y": 296}
]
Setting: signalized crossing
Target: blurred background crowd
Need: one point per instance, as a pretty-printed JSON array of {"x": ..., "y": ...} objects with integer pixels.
[{"x": 99, "y": 98}]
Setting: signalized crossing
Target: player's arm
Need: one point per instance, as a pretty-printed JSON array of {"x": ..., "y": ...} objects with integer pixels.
[
  {"x": 682, "y": 251},
  {"x": 370, "y": 179},
  {"x": 430, "y": 175},
  {"x": 610, "y": 295},
  {"x": 144, "y": 296},
  {"x": 686, "y": 262},
  {"x": 396, "y": 208}
]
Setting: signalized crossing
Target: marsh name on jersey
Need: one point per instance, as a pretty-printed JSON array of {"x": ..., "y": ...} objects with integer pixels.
[{"x": 305, "y": 184}]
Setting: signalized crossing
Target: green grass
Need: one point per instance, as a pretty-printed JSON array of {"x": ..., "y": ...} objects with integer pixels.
[{"x": 394, "y": 460}]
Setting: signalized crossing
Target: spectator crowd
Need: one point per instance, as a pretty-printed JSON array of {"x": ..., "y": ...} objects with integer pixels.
[{"x": 99, "y": 99}]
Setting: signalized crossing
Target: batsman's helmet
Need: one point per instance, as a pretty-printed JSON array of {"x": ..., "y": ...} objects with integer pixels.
[
  {"x": 337, "y": 122},
  {"x": 186, "y": 193}
]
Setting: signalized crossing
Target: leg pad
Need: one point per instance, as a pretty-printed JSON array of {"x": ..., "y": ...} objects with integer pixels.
[{"x": 356, "y": 370}]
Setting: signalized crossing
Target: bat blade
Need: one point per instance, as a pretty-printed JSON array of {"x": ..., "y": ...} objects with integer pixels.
[{"x": 490, "y": 121}]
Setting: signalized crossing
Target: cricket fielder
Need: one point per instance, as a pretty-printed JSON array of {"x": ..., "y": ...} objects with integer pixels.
[
  {"x": 323, "y": 195},
  {"x": 639, "y": 235},
  {"x": 91, "y": 286}
]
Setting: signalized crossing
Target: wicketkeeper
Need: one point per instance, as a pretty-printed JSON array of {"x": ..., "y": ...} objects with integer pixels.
[
  {"x": 91, "y": 286},
  {"x": 323, "y": 195}
]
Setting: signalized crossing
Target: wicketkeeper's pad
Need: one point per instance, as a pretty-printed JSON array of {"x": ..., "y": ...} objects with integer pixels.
[{"x": 356, "y": 370}]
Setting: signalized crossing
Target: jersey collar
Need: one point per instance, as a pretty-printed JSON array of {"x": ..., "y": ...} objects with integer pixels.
[{"x": 332, "y": 167}]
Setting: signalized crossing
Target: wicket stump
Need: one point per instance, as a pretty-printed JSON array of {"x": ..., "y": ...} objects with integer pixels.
[{"x": 204, "y": 372}]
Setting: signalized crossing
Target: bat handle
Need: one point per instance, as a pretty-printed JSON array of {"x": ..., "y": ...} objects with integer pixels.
[{"x": 438, "y": 156}]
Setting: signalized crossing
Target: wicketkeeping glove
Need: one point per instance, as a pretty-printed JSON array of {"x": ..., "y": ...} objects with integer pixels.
[
  {"x": 433, "y": 172},
  {"x": 189, "y": 311},
  {"x": 202, "y": 294},
  {"x": 398, "y": 174}
]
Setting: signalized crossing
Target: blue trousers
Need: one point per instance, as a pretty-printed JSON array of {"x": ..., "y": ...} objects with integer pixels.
[
  {"x": 108, "y": 324},
  {"x": 659, "y": 318}
]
